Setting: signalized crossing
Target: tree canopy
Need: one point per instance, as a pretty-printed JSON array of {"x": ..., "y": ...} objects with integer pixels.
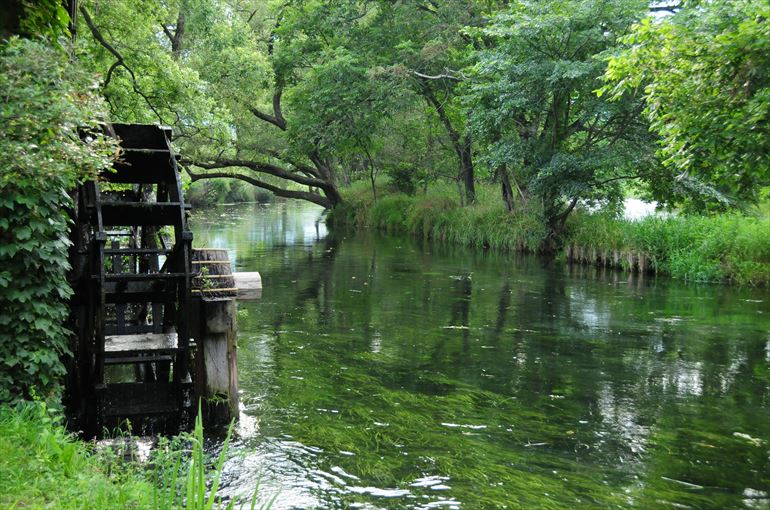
[
  {"x": 704, "y": 75},
  {"x": 560, "y": 102},
  {"x": 533, "y": 104}
]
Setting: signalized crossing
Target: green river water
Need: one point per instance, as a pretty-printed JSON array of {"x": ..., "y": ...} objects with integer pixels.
[{"x": 385, "y": 372}]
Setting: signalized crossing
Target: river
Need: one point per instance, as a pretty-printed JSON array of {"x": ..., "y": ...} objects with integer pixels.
[{"x": 386, "y": 372}]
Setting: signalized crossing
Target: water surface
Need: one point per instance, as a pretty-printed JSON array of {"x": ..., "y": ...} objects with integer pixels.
[{"x": 384, "y": 372}]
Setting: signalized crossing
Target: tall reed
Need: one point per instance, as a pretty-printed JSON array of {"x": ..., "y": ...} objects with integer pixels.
[{"x": 185, "y": 480}]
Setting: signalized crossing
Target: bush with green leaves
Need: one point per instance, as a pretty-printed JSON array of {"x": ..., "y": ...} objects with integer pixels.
[
  {"x": 403, "y": 178},
  {"x": 703, "y": 73},
  {"x": 44, "y": 99}
]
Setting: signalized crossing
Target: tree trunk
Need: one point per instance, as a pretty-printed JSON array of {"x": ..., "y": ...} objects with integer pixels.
[
  {"x": 463, "y": 146},
  {"x": 556, "y": 221},
  {"x": 505, "y": 185},
  {"x": 466, "y": 169}
]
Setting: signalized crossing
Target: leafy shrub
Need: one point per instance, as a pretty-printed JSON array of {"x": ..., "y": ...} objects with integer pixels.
[
  {"x": 45, "y": 100},
  {"x": 403, "y": 179}
]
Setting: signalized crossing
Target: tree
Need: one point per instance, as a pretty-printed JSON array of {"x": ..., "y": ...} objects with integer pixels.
[
  {"x": 424, "y": 43},
  {"x": 292, "y": 96},
  {"x": 194, "y": 65},
  {"x": 704, "y": 73},
  {"x": 540, "y": 124}
]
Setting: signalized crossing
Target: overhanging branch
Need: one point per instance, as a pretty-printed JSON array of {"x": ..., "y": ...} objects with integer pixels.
[
  {"x": 293, "y": 162},
  {"x": 277, "y": 118},
  {"x": 672, "y": 8},
  {"x": 285, "y": 193},
  {"x": 448, "y": 74},
  {"x": 265, "y": 168}
]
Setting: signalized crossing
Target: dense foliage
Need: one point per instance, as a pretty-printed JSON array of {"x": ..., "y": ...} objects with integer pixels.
[
  {"x": 302, "y": 98},
  {"x": 540, "y": 122},
  {"x": 44, "y": 100},
  {"x": 704, "y": 74}
]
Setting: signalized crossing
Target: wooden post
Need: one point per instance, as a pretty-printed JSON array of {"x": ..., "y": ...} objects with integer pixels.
[
  {"x": 216, "y": 360},
  {"x": 215, "y": 289}
]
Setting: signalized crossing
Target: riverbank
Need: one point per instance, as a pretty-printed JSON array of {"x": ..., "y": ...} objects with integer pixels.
[
  {"x": 726, "y": 248},
  {"x": 43, "y": 466}
]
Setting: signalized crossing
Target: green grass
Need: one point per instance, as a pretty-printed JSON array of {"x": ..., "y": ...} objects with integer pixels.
[
  {"x": 438, "y": 215},
  {"x": 42, "y": 466},
  {"x": 726, "y": 248}
]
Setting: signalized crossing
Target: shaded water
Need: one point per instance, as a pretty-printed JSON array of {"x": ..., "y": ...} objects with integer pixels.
[{"x": 383, "y": 372}]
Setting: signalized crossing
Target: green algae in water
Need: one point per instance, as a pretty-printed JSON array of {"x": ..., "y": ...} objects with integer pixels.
[{"x": 386, "y": 373}]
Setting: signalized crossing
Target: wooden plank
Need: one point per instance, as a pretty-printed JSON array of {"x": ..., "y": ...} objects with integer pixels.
[
  {"x": 147, "y": 342},
  {"x": 137, "y": 251},
  {"x": 249, "y": 285},
  {"x": 161, "y": 296},
  {"x": 141, "y": 213},
  {"x": 140, "y": 277},
  {"x": 120, "y": 309},
  {"x": 126, "y": 360}
]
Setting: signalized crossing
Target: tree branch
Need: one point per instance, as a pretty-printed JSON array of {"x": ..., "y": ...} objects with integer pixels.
[
  {"x": 176, "y": 41},
  {"x": 285, "y": 193},
  {"x": 277, "y": 118},
  {"x": 120, "y": 62},
  {"x": 265, "y": 168},
  {"x": 293, "y": 162},
  {"x": 619, "y": 178},
  {"x": 175, "y": 37},
  {"x": 561, "y": 217},
  {"x": 167, "y": 32},
  {"x": 431, "y": 98},
  {"x": 665, "y": 8},
  {"x": 447, "y": 75},
  {"x": 430, "y": 8}
]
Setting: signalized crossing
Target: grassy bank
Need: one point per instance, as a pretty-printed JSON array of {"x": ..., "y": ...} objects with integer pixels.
[
  {"x": 43, "y": 466},
  {"x": 729, "y": 248}
]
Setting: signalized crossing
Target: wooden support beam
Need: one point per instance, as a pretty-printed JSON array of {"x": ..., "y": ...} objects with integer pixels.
[
  {"x": 216, "y": 370},
  {"x": 249, "y": 285}
]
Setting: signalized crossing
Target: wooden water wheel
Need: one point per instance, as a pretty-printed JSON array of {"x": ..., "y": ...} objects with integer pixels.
[{"x": 131, "y": 275}]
